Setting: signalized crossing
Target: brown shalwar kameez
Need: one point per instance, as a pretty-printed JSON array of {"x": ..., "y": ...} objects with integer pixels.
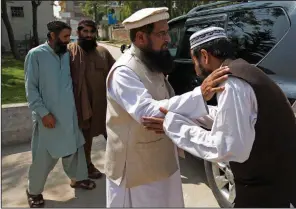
[{"x": 89, "y": 71}]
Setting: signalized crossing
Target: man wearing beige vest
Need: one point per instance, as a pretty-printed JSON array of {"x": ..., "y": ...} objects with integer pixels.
[{"x": 142, "y": 166}]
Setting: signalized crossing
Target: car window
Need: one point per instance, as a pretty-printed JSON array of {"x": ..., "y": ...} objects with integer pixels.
[
  {"x": 255, "y": 32},
  {"x": 176, "y": 32}
]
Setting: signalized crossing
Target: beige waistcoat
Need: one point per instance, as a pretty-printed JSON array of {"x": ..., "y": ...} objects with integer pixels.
[{"x": 139, "y": 155}]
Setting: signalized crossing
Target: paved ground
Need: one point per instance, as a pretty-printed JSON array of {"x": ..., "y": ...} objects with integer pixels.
[
  {"x": 58, "y": 193},
  {"x": 115, "y": 51}
]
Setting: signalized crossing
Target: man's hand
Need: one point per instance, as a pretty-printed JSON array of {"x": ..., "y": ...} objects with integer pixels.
[
  {"x": 153, "y": 123},
  {"x": 49, "y": 121},
  {"x": 209, "y": 85}
]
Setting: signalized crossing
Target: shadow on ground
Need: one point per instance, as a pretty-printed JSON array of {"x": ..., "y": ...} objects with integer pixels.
[
  {"x": 57, "y": 192},
  {"x": 92, "y": 199},
  {"x": 192, "y": 170},
  {"x": 15, "y": 149}
]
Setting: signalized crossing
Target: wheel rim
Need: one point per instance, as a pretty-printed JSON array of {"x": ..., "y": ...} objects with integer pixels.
[{"x": 224, "y": 181}]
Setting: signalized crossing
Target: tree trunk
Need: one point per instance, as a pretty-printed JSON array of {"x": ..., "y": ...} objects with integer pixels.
[
  {"x": 95, "y": 6},
  {"x": 35, "y": 37},
  {"x": 9, "y": 30}
]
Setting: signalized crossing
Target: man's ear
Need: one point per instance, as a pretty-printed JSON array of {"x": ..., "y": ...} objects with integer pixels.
[
  {"x": 141, "y": 38},
  {"x": 52, "y": 35},
  {"x": 205, "y": 56}
]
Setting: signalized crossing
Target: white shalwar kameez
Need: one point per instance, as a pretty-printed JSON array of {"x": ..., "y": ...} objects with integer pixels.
[
  {"x": 232, "y": 126},
  {"x": 129, "y": 92}
]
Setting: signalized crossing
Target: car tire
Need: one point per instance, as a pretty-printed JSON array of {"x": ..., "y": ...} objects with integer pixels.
[{"x": 221, "y": 199}]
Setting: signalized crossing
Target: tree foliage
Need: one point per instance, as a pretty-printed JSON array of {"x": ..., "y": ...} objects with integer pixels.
[
  {"x": 95, "y": 9},
  {"x": 176, "y": 7}
]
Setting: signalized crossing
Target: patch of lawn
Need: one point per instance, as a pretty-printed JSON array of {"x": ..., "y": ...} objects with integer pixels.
[{"x": 13, "y": 81}]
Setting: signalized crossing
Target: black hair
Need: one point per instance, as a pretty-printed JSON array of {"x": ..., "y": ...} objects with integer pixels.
[
  {"x": 89, "y": 23},
  {"x": 56, "y": 27},
  {"x": 220, "y": 48},
  {"x": 146, "y": 29}
]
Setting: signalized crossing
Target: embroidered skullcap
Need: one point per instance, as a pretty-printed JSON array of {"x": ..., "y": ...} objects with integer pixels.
[
  {"x": 206, "y": 35},
  {"x": 56, "y": 26},
  {"x": 146, "y": 16},
  {"x": 90, "y": 23}
]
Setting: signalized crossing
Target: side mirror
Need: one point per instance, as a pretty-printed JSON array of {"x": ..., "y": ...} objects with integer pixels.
[{"x": 123, "y": 47}]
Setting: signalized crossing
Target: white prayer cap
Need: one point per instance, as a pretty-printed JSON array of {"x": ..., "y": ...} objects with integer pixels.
[
  {"x": 205, "y": 35},
  {"x": 146, "y": 16}
]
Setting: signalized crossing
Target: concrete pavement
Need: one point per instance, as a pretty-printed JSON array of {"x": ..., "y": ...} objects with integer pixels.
[
  {"x": 58, "y": 194},
  {"x": 115, "y": 51}
]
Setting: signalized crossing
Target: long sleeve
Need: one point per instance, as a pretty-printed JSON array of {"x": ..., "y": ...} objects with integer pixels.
[
  {"x": 32, "y": 85},
  {"x": 129, "y": 92},
  {"x": 110, "y": 62},
  {"x": 232, "y": 135}
]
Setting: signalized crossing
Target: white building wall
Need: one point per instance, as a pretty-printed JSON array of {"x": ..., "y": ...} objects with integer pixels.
[{"x": 23, "y": 25}]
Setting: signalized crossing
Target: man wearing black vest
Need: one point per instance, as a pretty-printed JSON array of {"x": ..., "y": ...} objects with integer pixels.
[{"x": 253, "y": 126}]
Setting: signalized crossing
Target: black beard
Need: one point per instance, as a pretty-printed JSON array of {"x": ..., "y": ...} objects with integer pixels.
[
  {"x": 204, "y": 72},
  {"x": 158, "y": 61},
  {"x": 87, "y": 45},
  {"x": 60, "y": 47}
]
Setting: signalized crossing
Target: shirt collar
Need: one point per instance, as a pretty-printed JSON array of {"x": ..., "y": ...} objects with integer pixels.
[{"x": 49, "y": 47}]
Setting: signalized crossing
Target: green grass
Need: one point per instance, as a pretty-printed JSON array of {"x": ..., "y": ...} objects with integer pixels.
[{"x": 13, "y": 83}]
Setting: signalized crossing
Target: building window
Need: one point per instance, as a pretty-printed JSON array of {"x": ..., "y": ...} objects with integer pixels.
[{"x": 17, "y": 11}]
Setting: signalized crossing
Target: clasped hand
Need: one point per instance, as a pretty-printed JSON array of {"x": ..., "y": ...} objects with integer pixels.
[{"x": 155, "y": 123}]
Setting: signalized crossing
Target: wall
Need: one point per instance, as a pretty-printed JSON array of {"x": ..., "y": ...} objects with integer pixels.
[
  {"x": 16, "y": 124},
  {"x": 120, "y": 34},
  {"x": 23, "y": 25}
]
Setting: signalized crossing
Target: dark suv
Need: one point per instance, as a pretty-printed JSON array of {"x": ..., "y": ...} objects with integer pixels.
[{"x": 263, "y": 33}]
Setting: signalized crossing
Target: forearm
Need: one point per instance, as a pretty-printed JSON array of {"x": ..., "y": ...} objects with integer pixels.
[
  {"x": 187, "y": 135},
  {"x": 190, "y": 105},
  {"x": 128, "y": 91},
  {"x": 217, "y": 145},
  {"x": 35, "y": 102}
]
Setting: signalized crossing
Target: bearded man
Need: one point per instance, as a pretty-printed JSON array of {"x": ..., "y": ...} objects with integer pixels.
[
  {"x": 142, "y": 167},
  {"x": 253, "y": 128},
  {"x": 90, "y": 65},
  {"x": 55, "y": 126}
]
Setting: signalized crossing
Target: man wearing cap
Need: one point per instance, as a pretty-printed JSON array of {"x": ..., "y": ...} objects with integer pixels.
[
  {"x": 142, "y": 166},
  {"x": 90, "y": 65},
  {"x": 55, "y": 127},
  {"x": 253, "y": 128}
]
